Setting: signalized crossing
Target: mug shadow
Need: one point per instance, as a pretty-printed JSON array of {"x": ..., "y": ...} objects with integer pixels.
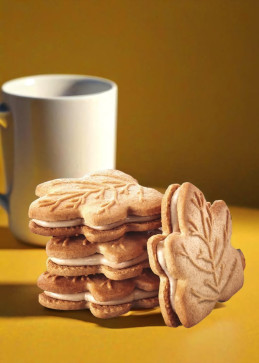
[
  {"x": 8, "y": 241},
  {"x": 22, "y": 301}
]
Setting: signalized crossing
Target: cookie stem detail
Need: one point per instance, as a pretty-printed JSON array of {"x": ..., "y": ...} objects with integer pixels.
[
  {"x": 83, "y": 189},
  {"x": 209, "y": 253}
]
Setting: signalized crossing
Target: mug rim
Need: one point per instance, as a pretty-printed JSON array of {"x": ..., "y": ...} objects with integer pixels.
[{"x": 12, "y": 82}]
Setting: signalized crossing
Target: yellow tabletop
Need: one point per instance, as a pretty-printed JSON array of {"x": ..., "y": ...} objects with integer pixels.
[{"x": 31, "y": 333}]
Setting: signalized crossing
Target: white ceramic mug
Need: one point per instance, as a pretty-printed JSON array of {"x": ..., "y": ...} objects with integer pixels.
[{"x": 53, "y": 126}]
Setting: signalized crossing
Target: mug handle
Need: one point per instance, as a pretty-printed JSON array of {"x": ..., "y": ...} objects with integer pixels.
[{"x": 4, "y": 112}]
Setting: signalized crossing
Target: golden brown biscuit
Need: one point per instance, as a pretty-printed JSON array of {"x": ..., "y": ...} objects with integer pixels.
[
  {"x": 105, "y": 298},
  {"x": 102, "y": 206},
  {"x": 194, "y": 259},
  {"x": 111, "y": 273},
  {"x": 130, "y": 246},
  {"x": 102, "y": 288},
  {"x": 118, "y": 259},
  {"x": 99, "y": 311},
  {"x": 94, "y": 235}
]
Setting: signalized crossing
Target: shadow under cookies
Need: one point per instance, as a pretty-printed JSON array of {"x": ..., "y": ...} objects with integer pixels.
[{"x": 21, "y": 300}]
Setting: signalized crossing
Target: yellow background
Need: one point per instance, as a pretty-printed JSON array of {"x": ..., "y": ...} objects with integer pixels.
[
  {"x": 188, "y": 80},
  {"x": 30, "y": 333},
  {"x": 187, "y": 73}
]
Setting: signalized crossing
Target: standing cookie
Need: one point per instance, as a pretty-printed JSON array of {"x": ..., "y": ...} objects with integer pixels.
[{"x": 194, "y": 259}]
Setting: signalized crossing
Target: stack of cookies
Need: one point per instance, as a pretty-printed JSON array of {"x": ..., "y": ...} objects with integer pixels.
[
  {"x": 105, "y": 229},
  {"x": 98, "y": 258}
]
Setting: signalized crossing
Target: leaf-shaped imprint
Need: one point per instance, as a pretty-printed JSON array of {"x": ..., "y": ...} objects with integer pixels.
[
  {"x": 82, "y": 189},
  {"x": 208, "y": 250},
  {"x": 101, "y": 201},
  {"x": 199, "y": 261}
]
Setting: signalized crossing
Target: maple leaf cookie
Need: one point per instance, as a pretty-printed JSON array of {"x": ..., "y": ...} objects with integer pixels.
[
  {"x": 193, "y": 257},
  {"x": 103, "y": 206},
  {"x": 119, "y": 259},
  {"x": 104, "y": 297}
]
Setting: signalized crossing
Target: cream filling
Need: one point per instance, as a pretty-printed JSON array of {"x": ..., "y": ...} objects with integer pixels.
[
  {"x": 80, "y": 221},
  {"x": 174, "y": 214},
  {"x": 172, "y": 281},
  {"x": 160, "y": 247},
  {"x": 87, "y": 296},
  {"x": 98, "y": 259}
]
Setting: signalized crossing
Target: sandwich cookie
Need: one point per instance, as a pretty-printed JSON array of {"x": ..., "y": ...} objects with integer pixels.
[
  {"x": 103, "y": 206},
  {"x": 120, "y": 259},
  {"x": 105, "y": 298},
  {"x": 194, "y": 259}
]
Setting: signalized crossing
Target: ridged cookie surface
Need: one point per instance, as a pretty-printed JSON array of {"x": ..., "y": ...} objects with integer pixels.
[
  {"x": 99, "y": 199},
  {"x": 201, "y": 264}
]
